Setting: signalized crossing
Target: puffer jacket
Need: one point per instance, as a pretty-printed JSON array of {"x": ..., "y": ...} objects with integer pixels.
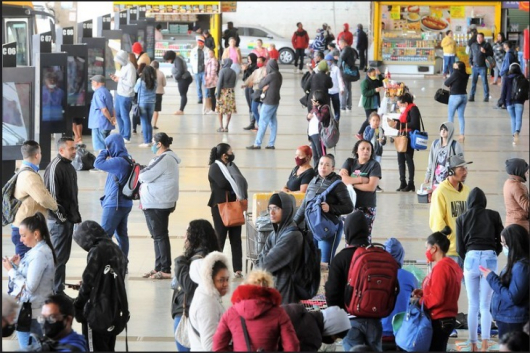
[
  {"x": 267, "y": 323},
  {"x": 160, "y": 182}
]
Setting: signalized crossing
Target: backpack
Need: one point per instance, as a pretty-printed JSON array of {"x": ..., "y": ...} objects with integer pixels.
[
  {"x": 84, "y": 160},
  {"x": 131, "y": 188},
  {"x": 304, "y": 81},
  {"x": 10, "y": 204},
  {"x": 322, "y": 225},
  {"x": 107, "y": 310},
  {"x": 330, "y": 134},
  {"x": 520, "y": 88},
  {"x": 372, "y": 286},
  {"x": 350, "y": 73},
  {"x": 306, "y": 277}
]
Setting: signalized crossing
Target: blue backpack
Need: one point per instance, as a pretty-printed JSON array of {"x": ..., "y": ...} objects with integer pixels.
[
  {"x": 415, "y": 333},
  {"x": 322, "y": 225}
]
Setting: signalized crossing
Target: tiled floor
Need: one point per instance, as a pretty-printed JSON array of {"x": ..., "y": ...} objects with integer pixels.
[{"x": 488, "y": 143}]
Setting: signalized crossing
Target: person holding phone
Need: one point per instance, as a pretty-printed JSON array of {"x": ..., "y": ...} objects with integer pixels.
[{"x": 318, "y": 116}]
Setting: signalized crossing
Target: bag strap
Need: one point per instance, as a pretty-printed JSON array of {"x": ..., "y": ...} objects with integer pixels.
[
  {"x": 421, "y": 121},
  {"x": 245, "y": 332},
  {"x": 330, "y": 188}
]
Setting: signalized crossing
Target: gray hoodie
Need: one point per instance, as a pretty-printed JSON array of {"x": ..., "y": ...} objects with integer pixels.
[
  {"x": 274, "y": 80},
  {"x": 160, "y": 182},
  {"x": 227, "y": 77}
]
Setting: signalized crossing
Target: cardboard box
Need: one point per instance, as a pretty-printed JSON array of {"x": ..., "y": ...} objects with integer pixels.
[{"x": 260, "y": 203}]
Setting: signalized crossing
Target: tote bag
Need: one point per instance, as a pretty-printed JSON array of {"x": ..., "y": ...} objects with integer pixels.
[
  {"x": 232, "y": 212},
  {"x": 401, "y": 141}
]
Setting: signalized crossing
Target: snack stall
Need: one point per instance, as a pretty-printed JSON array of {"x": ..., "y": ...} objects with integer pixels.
[{"x": 408, "y": 37}]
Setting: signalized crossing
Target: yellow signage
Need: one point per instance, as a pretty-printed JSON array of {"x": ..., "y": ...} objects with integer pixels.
[
  {"x": 457, "y": 12},
  {"x": 395, "y": 14},
  {"x": 228, "y": 6}
]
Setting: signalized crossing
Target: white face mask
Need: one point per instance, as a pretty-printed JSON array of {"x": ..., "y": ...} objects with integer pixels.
[
  {"x": 94, "y": 88},
  {"x": 52, "y": 86}
]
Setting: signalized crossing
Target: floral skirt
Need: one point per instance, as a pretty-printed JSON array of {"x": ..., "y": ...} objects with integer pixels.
[{"x": 226, "y": 104}]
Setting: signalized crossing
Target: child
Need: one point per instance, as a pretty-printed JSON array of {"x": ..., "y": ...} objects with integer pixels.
[
  {"x": 376, "y": 135},
  {"x": 319, "y": 116},
  {"x": 273, "y": 53},
  {"x": 161, "y": 79}
]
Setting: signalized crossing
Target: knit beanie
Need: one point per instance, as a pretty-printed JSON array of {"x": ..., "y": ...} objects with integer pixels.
[
  {"x": 137, "y": 48},
  {"x": 275, "y": 200},
  {"x": 323, "y": 66}
]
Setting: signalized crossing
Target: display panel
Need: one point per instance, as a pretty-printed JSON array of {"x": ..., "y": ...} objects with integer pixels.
[
  {"x": 113, "y": 47},
  {"x": 127, "y": 42},
  {"x": 16, "y": 104},
  {"x": 76, "y": 81},
  {"x": 95, "y": 64},
  {"x": 52, "y": 93}
]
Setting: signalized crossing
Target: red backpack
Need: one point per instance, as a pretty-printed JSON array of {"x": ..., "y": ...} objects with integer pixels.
[{"x": 372, "y": 286}]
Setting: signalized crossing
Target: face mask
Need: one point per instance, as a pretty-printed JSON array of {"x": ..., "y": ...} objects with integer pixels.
[
  {"x": 94, "y": 88},
  {"x": 231, "y": 158},
  {"x": 53, "y": 330},
  {"x": 8, "y": 330},
  {"x": 299, "y": 161},
  {"x": 52, "y": 86},
  {"x": 373, "y": 78},
  {"x": 428, "y": 255},
  {"x": 329, "y": 63},
  {"x": 154, "y": 148},
  {"x": 260, "y": 64},
  {"x": 402, "y": 109},
  {"x": 505, "y": 251}
]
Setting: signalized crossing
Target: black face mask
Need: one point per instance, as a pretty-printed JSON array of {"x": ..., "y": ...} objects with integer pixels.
[
  {"x": 230, "y": 158},
  {"x": 8, "y": 330},
  {"x": 53, "y": 330}
]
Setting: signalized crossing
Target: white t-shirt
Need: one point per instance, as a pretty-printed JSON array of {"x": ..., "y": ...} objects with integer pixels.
[{"x": 313, "y": 126}]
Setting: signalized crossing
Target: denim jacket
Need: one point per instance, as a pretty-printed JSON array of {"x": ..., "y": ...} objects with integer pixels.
[
  {"x": 36, "y": 271},
  {"x": 510, "y": 304}
]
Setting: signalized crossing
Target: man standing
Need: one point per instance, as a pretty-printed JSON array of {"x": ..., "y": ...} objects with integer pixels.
[
  {"x": 449, "y": 201},
  {"x": 338, "y": 85},
  {"x": 30, "y": 189},
  {"x": 300, "y": 41},
  {"x": 270, "y": 85},
  {"x": 371, "y": 101},
  {"x": 231, "y": 32},
  {"x": 346, "y": 34},
  {"x": 478, "y": 53},
  {"x": 348, "y": 56},
  {"x": 126, "y": 79},
  {"x": 197, "y": 66},
  {"x": 362, "y": 47},
  {"x": 101, "y": 118},
  {"x": 60, "y": 178}
]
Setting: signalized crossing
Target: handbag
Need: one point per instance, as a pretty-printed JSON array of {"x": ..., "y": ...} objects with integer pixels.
[
  {"x": 401, "y": 141},
  {"x": 232, "y": 212},
  {"x": 415, "y": 333},
  {"x": 181, "y": 333},
  {"x": 419, "y": 139},
  {"x": 442, "y": 96},
  {"x": 24, "y": 317},
  {"x": 490, "y": 62},
  {"x": 135, "y": 109}
]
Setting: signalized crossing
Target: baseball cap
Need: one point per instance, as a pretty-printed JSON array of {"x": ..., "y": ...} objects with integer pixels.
[
  {"x": 329, "y": 57},
  {"x": 457, "y": 161},
  {"x": 98, "y": 78}
]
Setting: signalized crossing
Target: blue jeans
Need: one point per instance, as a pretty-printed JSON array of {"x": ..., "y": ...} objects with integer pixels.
[
  {"x": 335, "y": 101},
  {"x": 255, "y": 110},
  {"x": 364, "y": 331},
  {"x": 114, "y": 222},
  {"x": 457, "y": 103},
  {"x": 180, "y": 347},
  {"x": 328, "y": 247},
  {"x": 146, "y": 115},
  {"x": 267, "y": 116},
  {"x": 23, "y": 337},
  {"x": 482, "y": 72},
  {"x": 516, "y": 116},
  {"x": 20, "y": 248},
  {"x": 479, "y": 292},
  {"x": 98, "y": 139},
  {"x": 122, "y": 106},
  {"x": 199, "y": 80},
  {"x": 449, "y": 60},
  {"x": 506, "y": 327}
]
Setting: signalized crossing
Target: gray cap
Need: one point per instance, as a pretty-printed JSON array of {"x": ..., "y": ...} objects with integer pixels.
[
  {"x": 98, "y": 78},
  {"x": 457, "y": 161}
]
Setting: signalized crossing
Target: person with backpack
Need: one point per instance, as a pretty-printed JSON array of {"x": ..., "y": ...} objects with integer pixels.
[
  {"x": 337, "y": 203},
  {"x": 300, "y": 41},
  {"x": 91, "y": 310},
  {"x": 516, "y": 197},
  {"x": 256, "y": 322},
  {"x": 159, "y": 193},
  {"x": 441, "y": 150},
  {"x": 182, "y": 76},
  {"x": 371, "y": 100},
  {"x": 318, "y": 116},
  {"x": 509, "y": 58},
  {"x": 516, "y": 95},
  {"x": 348, "y": 57},
  {"x": 440, "y": 289},
  {"x": 478, "y": 243},
  {"x": 282, "y": 251}
]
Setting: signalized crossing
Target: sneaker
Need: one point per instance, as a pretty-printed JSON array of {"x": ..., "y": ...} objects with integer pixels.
[
  {"x": 126, "y": 141},
  {"x": 270, "y": 148},
  {"x": 516, "y": 137},
  {"x": 200, "y": 101},
  {"x": 349, "y": 109},
  {"x": 155, "y": 127},
  {"x": 253, "y": 147},
  {"x": 378, "y": 189},
  {"x": 343, "y": 109},
  {"x": 454, "y": 334},
  {"x": 471, "y": 99},
  {"x": 486, "y": 99},
  {"x": 359, "y": 136},
  {"x": 238, "y": 274},
  {"x": 144, "y": 145}
]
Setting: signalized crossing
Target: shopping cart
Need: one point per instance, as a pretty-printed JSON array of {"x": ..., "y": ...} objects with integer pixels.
[
  {"x": 316, "y": 303},
  {"x": 255, "y": 241},
  {"x": 419, "y": 268}
]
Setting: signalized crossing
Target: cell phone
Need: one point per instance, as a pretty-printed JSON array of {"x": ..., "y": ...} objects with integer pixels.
[{"x": 482, "y": 267}]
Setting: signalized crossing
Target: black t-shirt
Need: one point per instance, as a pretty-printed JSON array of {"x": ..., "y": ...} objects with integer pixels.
[
  {"x": 372, "y": 168},
  {"x": 295, "y": 181}
]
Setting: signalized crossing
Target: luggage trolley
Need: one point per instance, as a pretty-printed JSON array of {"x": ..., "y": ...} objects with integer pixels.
[{"x": 256, "y": 238}]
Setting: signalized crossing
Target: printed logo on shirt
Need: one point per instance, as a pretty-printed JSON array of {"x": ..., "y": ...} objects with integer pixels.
[{"x": 457, "y": 208}]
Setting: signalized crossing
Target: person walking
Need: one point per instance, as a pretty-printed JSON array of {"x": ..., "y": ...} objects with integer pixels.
[
  {"x": 197, "y": 61},
  {"x": 371, "y": 87},
  {"x": 146, "y": 88},
  {"x": 210, "y": 81},
  {"x": 161, "y": 83},
  {"x": 159, "y": 193},
  {"x": 478, "y": 53},
  {"x": 515, "y": 193},
  {"x": 101, "y": 117},
  {"x": 514, "y": 105},
  {"x": 346, "y": 34},
  {"x": 348, "y": 56},
  {"x": 457, "y": 84},
  {"x": 225, "y": 94},
  {"x": 248, "y": 69},
  {"x": 253, "y": 81},
  {"x": 509, "y": 58},
  {"x": 300, "y": 42},
  {"x": 338, "y": 85},
  {"x": 449, "y": 49},
  {"x": 182, "y": 76},
  {"x": 126, "y": 79},
  {"x": 362, "y": 47},
  {"x": 60, "y": 178},
  {"x": 498, "y": 55}
]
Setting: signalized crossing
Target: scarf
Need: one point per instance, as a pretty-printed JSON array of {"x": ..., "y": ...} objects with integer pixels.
[
  {"x": 403, "y": 116},
  {"x": 233, "y": 184}
]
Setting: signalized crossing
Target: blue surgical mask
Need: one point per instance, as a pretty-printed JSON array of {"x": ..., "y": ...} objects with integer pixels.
[
  {"x": 155, "y": 148},
  {"x": 505, "y": 251}
]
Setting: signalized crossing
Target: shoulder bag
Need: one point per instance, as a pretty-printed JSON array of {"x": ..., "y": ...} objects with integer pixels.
[
  {"x": 25, "y": 314},
  {"x": 247, "y": 337},
  {"x": 419, "y": 139},
  {"x": 135, "y": 109},
  {"x": 442, "y": 96},
  {"x": 232, "y": 212},
  {"x": 181, "y": 333},
  {"x": 401, "y": 141}
]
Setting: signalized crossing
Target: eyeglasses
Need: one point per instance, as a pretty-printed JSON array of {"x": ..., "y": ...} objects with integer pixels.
[
  {"x": 274, "y": 209},
  {"x": 52, "y": 319},
  {"x": 222, "y": 280}
]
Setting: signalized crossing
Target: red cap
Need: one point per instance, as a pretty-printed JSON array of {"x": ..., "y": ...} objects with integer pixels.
[{"x": 137, "y": 48}]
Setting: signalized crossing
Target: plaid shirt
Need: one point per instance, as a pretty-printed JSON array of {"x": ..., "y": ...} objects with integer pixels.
[{"x": 498, "y": 52}]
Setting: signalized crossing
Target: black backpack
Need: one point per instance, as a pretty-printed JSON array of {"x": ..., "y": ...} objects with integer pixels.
[
  {"x": 306, "y": 277},
  {"x": 520, "y": 89}
]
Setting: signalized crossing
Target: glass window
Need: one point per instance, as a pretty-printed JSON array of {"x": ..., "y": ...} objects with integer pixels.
[
  {"x": 255, "y": 32},
  {"x": 17, "y": 31},
  {"x": 16, "y": 113}
]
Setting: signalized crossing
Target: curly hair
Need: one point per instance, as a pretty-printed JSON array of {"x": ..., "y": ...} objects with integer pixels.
[
  {"x": 200, "y": 235},
  {"x": 260, "y": 278}
]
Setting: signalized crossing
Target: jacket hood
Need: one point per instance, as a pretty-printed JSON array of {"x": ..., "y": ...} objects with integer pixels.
[
  {"x": 288, "y": 211},
  {"x": 253, "y": 58},
  {"x": 227, "y": 63},
  {"x": 450, "y": 132},
  {"x": 207, "y": 271},
  {"x": 356, "y": 229},
  {"x": 272, "y": 66},
  {"x": 346, "y": 27},
  {"x": 394, "y": 247},
  {"x": 122, "y": 58},
  {"x": 116, "y": 145},
  {"x": 252, "y": 301},
  {"x": 476, "y": 199},
  {"x": 89, "y": 233},
  {"x": 517, "y": 167}
]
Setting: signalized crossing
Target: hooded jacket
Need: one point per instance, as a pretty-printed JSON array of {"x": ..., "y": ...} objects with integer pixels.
[
  {"x": 127, "y": 75},
  {"x": 206, "y": 308},
  {"x": 319, "y": 44},
  {"x": 113, "y": 160},
  {"x": 362, "y": 40},
  {"x": 300, "y": 39},
  {"x": 252, "y": 66},
  {"x": 507, "y": 85},
  {"x": 267, "y": 323},
  {"x": 346, "y": 34},
  {"x": 440, "y": 154},
  {"x": 320, "y": 81},
  {"x": 102, "y": 251},
  {"x": 457, "y": 82},
  {"x": 282, "y": 251},
  {"x": 274, "y": 80},
  {"x": 180, "y": 70},
  {"x": 478, "y": 228},
  {"x": 160, "y": 182},
  {"x": 371, "y": 99},
  {"x": 357, "y": 234},
  {"x": 509, "y": 58},
  {"x": 447, "y": 204},
  {"x": 227, "y": 77},
  {"x": 516, "y": 194}
]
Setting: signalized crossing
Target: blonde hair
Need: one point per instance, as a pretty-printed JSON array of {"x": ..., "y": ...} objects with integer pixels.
[{"x": 260, "y": 278}]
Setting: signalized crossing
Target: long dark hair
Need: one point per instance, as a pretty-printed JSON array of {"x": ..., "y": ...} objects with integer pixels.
[
  {"x": 516, "y": 238},
  {"x": 441, "y": 239},
  {"x": 218, "y": 266},
  {"x": 201, "y": 236},
  {"x": 38, "y": 222},
  {"x": 503, "y": 37},
  {"x": 218, "y": 151},
  {"x": 149, "y": 77},
  {"x": 461, "y": 66}
]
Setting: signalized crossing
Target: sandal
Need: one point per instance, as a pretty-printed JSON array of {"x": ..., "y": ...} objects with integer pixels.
[
  {"x": 161, "y": 275},
  {"x": 225, "y": 130},
  {"x": 149, "y": 274},
  {"x": 220, "y": 130}
]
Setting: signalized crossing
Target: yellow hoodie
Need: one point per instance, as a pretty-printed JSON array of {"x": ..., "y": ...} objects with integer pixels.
[
  {"x": 447, "y": 204},
  {"x": 449, "y": 45}
]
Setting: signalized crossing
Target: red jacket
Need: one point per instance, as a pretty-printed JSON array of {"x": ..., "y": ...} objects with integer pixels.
[
  {"x": 274, "y": 54},
  {"x": 441, "y": 289},
  {"x": 348, "y": 36},
  {"x": 266, "y": 322},
  {"x": 300, "y": 39}
]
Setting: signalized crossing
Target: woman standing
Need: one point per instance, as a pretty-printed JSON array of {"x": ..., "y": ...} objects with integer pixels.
[
  {"x": 210, "y": 78},
  {"x": 440, "y": 289},
  {"x": 182, "y": 76},
  {"x": 161, "y": 83},
  {"x": 207, "y": 308},
  {"x": 449, "y": 48},
  {"x": 458, "y": 95},
  {"x": 260, "y": 51},
  {"x": 227, "y": 185},
  {"x": 338, "y": 202},
  {"x": 509, "y": 306},
  {"x": 226, "y": 97},
  {"x": 253, "y": 81},
  {"x": 363, "y": 173},
  {"x": 516, "y": 193},
  {"x": 478, "y": 243},
  {"x": 318, "y": 117},
  {"x": 233, "y": 53},
  {"x": 498, "y": 55},
  {"x": 441, "y": 150},
  {"x": 248, "y": 69},
  {"x": 159, "y": 193},
  {"x": 408, "y": 121},
  {"x": 132, "y": 59},
  {"x": 200, "y": 241},
  {"x": 514, "y": 106},
  {"x": 146, "y": 87},
  {"x": 33, "y": 275},
  {"x": 303, "y": 173}
]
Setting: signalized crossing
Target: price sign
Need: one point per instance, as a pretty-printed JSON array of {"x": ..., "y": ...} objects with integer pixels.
[
  {"x": 123, "y": 17},
  {"x": 9, "y": 55},
  {"x": 87, "y": 29},
  {"x": 45, "y": 42},
  {"x": 68, "y": 35}
]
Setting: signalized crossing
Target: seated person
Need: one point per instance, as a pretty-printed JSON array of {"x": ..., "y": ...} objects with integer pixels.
[{"x": 302, "y": 174}]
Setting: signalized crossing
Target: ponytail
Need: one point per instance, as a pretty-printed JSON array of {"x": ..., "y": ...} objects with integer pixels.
[
  {"x": 38, "y": 222},
  {"x": 218, "y": 151}
]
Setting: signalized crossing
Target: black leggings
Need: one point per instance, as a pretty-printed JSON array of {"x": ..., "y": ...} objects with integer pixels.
[
  {"x": 211, "y": 94},
  {"x": 441, "y": 329},
  {"x": 408, "y": 158},
  {"x": 234, "y": 233},
  {"x": 183, "y": 91},
  {"x": 248, "y": 96}
]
